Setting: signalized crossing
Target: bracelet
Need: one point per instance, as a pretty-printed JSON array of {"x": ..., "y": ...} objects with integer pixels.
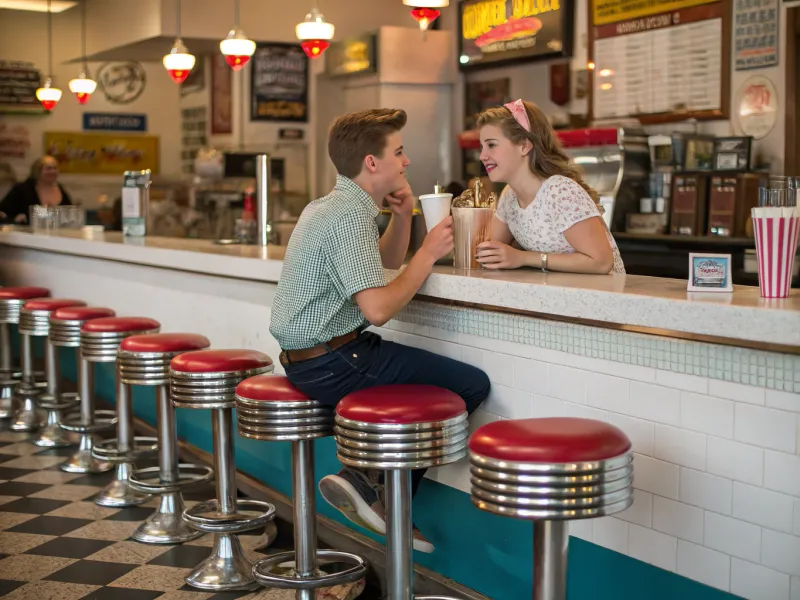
[{"x": 544, "y": 262}]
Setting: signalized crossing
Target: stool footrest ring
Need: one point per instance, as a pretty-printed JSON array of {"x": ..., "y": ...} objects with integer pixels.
[
  {"x": 262, "y": 571},
  {"x": 103, "y": 419},
  {"x": 61, "y": 401},
  {"x": 249, "y": 515},
  {"x": 148, "y": 480},
  {"x": 108, "y": 450}
]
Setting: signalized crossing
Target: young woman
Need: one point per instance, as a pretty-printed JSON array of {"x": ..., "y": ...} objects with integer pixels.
[
  {"x": 546, "y": 206},
  {"x": 40, "y": 188}
]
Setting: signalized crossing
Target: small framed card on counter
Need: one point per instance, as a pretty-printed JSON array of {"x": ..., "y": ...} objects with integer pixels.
[
  {"x": 710, "y": 273},
  {"x": 732, "y": 153}
]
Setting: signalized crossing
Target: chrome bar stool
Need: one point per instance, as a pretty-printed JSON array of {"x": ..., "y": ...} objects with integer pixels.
[
  {"x": 144, "y": 360},
  {"x": 34, "y": 321},
  {"x": 270, "y": 408},
  {"x": 551, "y": 471},
  {"x": 11, "y": 301},
  {"x": 99, "y": 340},
  {"x": 397, "y": 428},
  {"x": 207, "y": 379}
]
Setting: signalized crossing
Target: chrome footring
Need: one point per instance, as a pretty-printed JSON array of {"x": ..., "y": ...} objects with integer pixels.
[
  {"x": 34, "y": 322},
  {"x": 283, "y": 421},
  {"x": 28, "y": 417},
  {"x": 415, "y": 446},
  {"x": 554, "y": 491},
  {"x": 108, "y": 450},
  {"x": 103, "y": 419},
  {"x": 103, "y": 347},
  {"x": 148, "y": 480},
  {"x": 262, "y": 571},
  {"x": 51, "y": 435},
  {"x": 65, "y": 334},
  {"x": 10, "y": 309},
  {"x": 119, "y": 493},
  {"x": 83, "y": 461},
  {"x": 208, "y": 390},
  {"x": 7, "y": 406},
  {"x": 144, "y": 368},
  {"x": 62, "y": 401},
  {"x": 209, "y": 518}
]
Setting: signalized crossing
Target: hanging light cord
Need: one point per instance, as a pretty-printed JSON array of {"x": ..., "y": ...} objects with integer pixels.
[
  {"x": 83, "y": 36},
  {"x": 179, "y": 18},
  {"x": 49, "y": 40},
  {"x": 236, "y": 13}
]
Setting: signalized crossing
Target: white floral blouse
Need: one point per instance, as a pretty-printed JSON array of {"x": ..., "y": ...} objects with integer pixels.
[{"x": 559, "y": 204}]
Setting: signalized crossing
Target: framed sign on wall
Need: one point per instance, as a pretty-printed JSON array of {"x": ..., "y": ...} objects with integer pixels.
[
  {"x": 279, "y": 83},
  {"x": 495, "y": 32}
]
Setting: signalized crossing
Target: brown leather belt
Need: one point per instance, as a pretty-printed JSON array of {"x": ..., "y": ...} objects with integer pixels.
[{"x": 295, "y": 356}]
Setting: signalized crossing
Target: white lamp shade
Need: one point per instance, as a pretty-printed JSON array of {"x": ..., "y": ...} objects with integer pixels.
[
  {"x": 82, "y": 85},
  {"x": 179, "y": 61},
  {"x": 427, "y": 3},
  {"x": 314, "y": 30},
  {"x": 48, "y": 94},
  {"x": 237, "y": 46}
]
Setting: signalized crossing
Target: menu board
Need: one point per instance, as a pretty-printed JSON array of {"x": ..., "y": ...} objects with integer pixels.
[
  {"x": 279, "y": 83},
  {"x": 493, "y": 32},
  {"x": 18, "y": 84},
  {"x": 666, "y": 67},
  {"x": 612, "y": 11}
]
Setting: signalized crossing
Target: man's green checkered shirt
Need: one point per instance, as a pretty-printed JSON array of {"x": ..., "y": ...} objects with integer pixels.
[{"x": 333, "y": 254}]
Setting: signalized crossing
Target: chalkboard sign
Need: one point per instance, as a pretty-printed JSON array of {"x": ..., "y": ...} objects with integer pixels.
[
  {"x": 279, "y": 83},
  {"x": 18, "y": 84}
]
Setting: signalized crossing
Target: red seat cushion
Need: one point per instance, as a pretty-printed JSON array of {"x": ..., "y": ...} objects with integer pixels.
[
  {"x": 401, "y": 405},
  {"x": 165, "y": 342},
  {"x": 23, "y": 293},
  {"x": 119, "y": 325},
  {"x": 81, "y": 313},
  {"x": 219, "y": 361},
  {"x": 270, "y": 388},
  {"x": 554, "y": 440},
  {"x": 51, "y": 304}
]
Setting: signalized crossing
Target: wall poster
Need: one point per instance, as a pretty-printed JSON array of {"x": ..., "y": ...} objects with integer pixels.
[
  {"x": 102, "y": 153},
  {"x": 221, "y": 96},
  {"x": 279, "y": 83},
  {"x": 755, "y": 33}
]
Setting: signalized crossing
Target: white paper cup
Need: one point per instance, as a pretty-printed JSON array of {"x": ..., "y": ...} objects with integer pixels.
[{"x": 435, "y": 207}]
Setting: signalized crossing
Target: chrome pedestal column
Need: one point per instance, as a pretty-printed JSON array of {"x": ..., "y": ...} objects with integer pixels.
[
  {"x": 54, "y": 401},
  {"x": 9, "y": 377},
  {"x": 28, "y": 417}
]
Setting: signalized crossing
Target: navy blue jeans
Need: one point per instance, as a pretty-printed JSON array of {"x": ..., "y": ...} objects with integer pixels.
[{"x": 370, "y": 361}]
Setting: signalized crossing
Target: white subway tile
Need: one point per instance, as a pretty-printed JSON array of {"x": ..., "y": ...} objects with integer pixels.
[
  {"x": 499, "y": 368},
  {"x": 641, "y": 511},
  {"x": 733, "y": 460},
  {"x": 795, "y": 588},
  {"x": 704, "y": 565},
  {"x": 681, "y": 446},
  {"x": 641, "y": 433},
  {"x": 611, "y": 533},
  {"x": 762, "y": 507},
  {"x": 766, "y": 427},
  {"x": 443, "y": 334},
  {"x": 678, "y": 519},
  {"x": 582, "y": 528},
  {"x": 609, "y": 393},
  {"x": 477, "y": 341},
  {"x": 531, "y": 375},
  {"x": 616, "y": 369},
  {"x": 514, "y": 348},
  {"x": 546, "y": 355},
  {"x": 568, "y": 384},
  {"x": 472, "y": 356},
  {"x": 755, "y": 582},
  {"x": 707, "y": 414},
  {"x": 447, "y": 349},
  {"x": 585, "y": 412},
  {"x": 508, "y": 402},
  {"x": 543, "y": 407},
  {"x": 455, "y": 475},
  {"x": 652, "y": 547},
  {"x": 732, "y": 536},
  {"x": 781, "y": 552},
  {"x": 783, "y": 400},
  {"x": 797, "y": 517},
  {"x": 749, "y": 394},
  {"x": 480, "y": 418},
  {"x": 782, "y": 472},
  {"x": 656, "y": 403},
  {"x": 681, "y": 381},
  {"x": 706, "y": 491},
  {"x": 655, "y": 476}
]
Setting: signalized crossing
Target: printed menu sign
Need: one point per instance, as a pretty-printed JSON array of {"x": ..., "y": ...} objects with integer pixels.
[
  {"x": 501, "y": 31},
  {"x": 755, "y": 33},
  {"x": 612, "y": 11},
  {"x": 279, "y": 83},
  {"x": 18, "y": 84}
]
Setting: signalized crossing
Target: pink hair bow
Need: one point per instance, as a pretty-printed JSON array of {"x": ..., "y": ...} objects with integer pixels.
[{"x": 519, "y": 113}]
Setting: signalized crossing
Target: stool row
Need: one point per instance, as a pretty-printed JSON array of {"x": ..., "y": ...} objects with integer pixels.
[{"x": 547, "y": 470}]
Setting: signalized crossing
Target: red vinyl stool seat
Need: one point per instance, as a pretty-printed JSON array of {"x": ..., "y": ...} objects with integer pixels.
[
  {"x": 270, "y": 408},
  {"x": 207, "y": 379},
  {"x": 551, "y": 471},
  {"x": 101, "y": 338},
  {"x": 34, "y": 317},
  {"x": 164, "y": 343}
]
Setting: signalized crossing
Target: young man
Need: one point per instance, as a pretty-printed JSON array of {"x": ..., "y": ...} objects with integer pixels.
[{"x": 332, "y": 287}]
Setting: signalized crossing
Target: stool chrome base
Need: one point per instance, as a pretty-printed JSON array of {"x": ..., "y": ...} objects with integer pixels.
[
  {"x": 7, "y": 384},
  {"x": 166, "y": 525},
  {"x": 83, "y": 461},
  {"x": 119, "y": 493},
  {"x": 28, "y": 417},
  {"x": 227, "y": 563},
  {"x": 51, "y": 435}
]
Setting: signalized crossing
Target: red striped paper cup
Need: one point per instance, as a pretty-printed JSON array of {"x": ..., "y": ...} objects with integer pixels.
[{"x": 776, "y": 246}]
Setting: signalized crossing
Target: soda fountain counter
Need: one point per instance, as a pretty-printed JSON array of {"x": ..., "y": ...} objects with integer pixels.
[{"x": 706, "y": 385}]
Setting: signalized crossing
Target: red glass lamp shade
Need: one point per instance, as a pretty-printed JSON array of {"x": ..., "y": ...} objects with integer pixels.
[{"x": 425, "y": 16}]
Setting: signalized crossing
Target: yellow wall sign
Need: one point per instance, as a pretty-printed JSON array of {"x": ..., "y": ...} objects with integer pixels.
[
  {"x": 613, "y": 11},
  {"x": 102, "y": 153}
]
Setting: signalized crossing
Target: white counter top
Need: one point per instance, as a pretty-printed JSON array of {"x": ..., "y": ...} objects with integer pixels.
[{"x": 661, "y": 305}]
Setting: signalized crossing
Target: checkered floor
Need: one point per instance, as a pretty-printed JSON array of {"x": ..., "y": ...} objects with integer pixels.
[{"x": 55, "y": 543}]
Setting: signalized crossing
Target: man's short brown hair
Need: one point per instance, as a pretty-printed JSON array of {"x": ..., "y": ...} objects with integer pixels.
[{"x": 356, "y": 135}]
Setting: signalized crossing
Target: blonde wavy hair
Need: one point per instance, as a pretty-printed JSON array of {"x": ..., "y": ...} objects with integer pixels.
[{"x": 547, "y": 157}]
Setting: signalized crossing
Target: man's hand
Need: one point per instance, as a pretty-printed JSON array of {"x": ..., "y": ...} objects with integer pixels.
[
  {"x": 439, "y": 241},
  {"x": 401, "y": 202},
  {"x": 496, "y": 255}
]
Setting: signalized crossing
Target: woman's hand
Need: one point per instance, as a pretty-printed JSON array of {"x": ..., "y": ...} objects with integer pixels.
[{"x": 497, "y": 255}]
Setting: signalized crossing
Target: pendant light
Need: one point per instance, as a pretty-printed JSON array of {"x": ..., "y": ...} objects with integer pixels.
[
  {"x": 237, "y": 48},
  {"x": 47, "y": 94},
  {"x": 178, "y": 62},
  {"x": 314, "y": 33},
  {"x": 426, "y": 12},
  {"x": 83, "y": 87}
]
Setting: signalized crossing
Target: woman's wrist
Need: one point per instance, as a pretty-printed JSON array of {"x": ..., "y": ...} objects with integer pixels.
[{"x": 532, "y": 259}]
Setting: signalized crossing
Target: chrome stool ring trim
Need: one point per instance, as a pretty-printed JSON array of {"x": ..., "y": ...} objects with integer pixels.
[
  {"x": 103, "y": 346},
  {"x": 145, "y": 368},
  {"x": 209, "y": 390},
  {"x": 243, "y": 403},
  {"x": 557, "y": 491},
  {"x": 148, "y": 480},
  {"x": 285, "y": 437},
  {"x": 571, "y": 479},
  {"x": 262, "y": 571},
  {"x": 576, "y": 468},
  {"x": 65, "y": 333},
  {"x": 10, "y": 309},
  {"x": 235, "y": 523},
  {"x": 108, "y": 450},
  {"x": 407, "y": 464},
  {"x": 103, "y": 419},
  {"x": 399, "y": 428},
  {"x": 553, "y": 514},
  {"x": 400, "y": 437},
  {"x": 34, "y": 322}
]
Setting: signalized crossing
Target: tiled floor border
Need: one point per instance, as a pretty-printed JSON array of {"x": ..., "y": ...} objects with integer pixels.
[{"x": 740, "y": 365}]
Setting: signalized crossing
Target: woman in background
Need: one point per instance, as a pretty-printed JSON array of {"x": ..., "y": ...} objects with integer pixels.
[
  {"x": 546, "y": 206},
  {"x": 41, "y": 188}
]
